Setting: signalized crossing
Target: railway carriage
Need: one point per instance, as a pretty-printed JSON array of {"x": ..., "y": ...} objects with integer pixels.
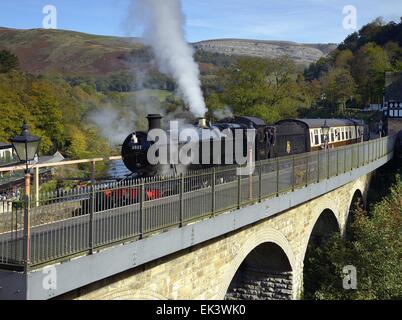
[{"x": 305, "y": 135}]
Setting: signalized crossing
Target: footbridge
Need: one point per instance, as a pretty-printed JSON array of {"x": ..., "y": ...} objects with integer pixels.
[{"x": 206, "y": 235}]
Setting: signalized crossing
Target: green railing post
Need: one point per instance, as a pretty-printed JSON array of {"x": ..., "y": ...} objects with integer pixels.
[
  {"x": 142, "y": 211},
  {"x": 260, "y": 183},
  {"x": 328, "y": 174},
  {"x": 213, "y": 190},
  {"x": 318, "y": 166},
  {"x": 337, "y": 162},
  {"x": 364, "y": 153},
  {"x": 277, "y": 177},
  {"x": 238, "y": 191},
  {"x": 293, "y": 173},
  {"x": 307, "y": 169},
  {"x": 344, "y": 160},
  {"x": 91, "y": 218},
  {"x": 358, "y": 155},
  {"x": 181, "y": 200}
]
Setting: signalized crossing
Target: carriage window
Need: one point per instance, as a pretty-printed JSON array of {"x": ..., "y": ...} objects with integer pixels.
[
  {"x": 312, "y": 138},
  {"x": 316, "y": 137},
  {"x": 332, "y": 135},
  {"x": 343, "y": 133},
  {"x": 347, "y": 133}
]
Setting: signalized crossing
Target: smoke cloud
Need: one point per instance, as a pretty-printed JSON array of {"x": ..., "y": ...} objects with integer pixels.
[
  {"x": 162, "y": 23},
  {"x": 113, "y": 126},
  {"x": 226, "y": 112}
]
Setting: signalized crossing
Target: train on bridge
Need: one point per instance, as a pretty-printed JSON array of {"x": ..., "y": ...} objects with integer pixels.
[{"x": 286, "y": 137}]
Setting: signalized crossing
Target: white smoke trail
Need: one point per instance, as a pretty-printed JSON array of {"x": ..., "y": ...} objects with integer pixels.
[{"x": 162, "y": 22}]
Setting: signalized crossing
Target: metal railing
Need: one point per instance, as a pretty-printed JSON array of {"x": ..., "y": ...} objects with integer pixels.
[{"x": 79, "y": 221}]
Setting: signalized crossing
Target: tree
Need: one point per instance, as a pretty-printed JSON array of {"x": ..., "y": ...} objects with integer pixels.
[
  {"x": 376, "y": 252},
  {"x": 369, "y": 66},
  {"x": 267, "y": 88},
  {"x": 8, "y": 61},
  {"x": 338, "y": 86}
]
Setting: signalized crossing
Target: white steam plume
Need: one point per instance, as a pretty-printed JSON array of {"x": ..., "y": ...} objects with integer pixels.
[
  {"x": 163, "y": 22},
  {"x": 113, "y": 126}
]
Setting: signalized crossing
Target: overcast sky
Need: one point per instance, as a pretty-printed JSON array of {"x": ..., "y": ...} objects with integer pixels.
[{"x": 295, "y": 20}]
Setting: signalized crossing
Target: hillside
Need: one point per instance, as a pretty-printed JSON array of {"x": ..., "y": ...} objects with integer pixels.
[
  {"x": 300, "y": 53},
  {"x": 74, "y": 53},
  {"x": 67, "y": 52}
]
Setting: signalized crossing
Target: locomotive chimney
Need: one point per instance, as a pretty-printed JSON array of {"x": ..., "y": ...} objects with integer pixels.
[
  {"x": 154, "y": 121},
  {"x": 202, "y": 123}
]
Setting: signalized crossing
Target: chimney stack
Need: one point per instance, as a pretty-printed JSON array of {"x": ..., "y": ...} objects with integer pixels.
[{"x": 154, "y": 121}]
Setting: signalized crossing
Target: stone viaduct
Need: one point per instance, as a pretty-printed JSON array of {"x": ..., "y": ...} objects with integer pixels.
[{"x": 261, "y": 261}]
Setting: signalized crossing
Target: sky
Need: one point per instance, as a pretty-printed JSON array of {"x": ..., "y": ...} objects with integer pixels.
[{"x": 304, "y": 21}]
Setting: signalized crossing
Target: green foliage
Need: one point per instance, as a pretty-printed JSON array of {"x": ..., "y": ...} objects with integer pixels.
[
  {"x": 375, "y": 251},
  {"x": 357, "y": 67},
  {"x": 267, "y": 88},
  {"x": 8, "y": 61},
  {"x": 54, "y": 111}
]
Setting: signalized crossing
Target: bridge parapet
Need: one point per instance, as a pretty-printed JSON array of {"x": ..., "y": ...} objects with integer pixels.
[{"x": 81, "y": 222}]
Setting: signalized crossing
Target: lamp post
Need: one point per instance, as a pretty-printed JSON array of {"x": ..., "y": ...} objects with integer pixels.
[
  {"x": 325, "y": 132},
  {"x": 26, "y": 147}
]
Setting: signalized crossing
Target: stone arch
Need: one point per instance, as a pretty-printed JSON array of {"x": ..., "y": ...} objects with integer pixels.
[
  {"x": 326, "y": 225},
  {"x": 265, "y": 236},
  {"x": 327, "y": 204},
  {"x": 356, "y": 201}
]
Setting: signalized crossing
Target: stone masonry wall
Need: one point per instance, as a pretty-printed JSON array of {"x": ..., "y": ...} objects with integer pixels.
[{"x": 261, "y": 285}]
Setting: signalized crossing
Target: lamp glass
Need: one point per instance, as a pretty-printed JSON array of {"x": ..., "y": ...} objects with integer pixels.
[
  {"x": 26, "y": 146},
  {"x": 325, "y": 130}
]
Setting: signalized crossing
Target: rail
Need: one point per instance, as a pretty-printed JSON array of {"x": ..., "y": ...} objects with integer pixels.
[{"x": 68, "y": 223}]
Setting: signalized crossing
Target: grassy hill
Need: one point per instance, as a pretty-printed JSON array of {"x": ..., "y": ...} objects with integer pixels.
[
  {"x": 67, "y": 52},
  {"x": 78, "y": 54}
]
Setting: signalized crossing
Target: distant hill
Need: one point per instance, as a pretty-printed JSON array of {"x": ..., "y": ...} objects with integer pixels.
[
  {"x": 75, "y": 53},
  {"x": 300, "y": 53},
  {"x": 68, "y": 52}
]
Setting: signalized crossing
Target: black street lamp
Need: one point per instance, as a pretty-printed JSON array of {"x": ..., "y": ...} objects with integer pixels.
[{"x": 26, "y": 147}]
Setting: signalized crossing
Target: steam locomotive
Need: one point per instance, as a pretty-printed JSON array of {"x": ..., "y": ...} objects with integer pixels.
[{"x": 286, "y": 137}]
